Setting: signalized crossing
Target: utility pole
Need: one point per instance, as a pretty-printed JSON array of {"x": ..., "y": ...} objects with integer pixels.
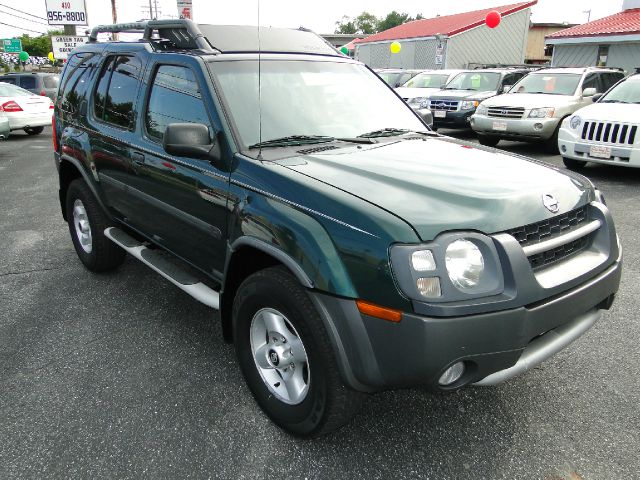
[
  {"x": 588, "y": 12},
  {"x": 114, "y": 17}
]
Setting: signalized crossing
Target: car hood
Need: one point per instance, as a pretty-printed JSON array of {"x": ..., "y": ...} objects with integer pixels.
[
  {"x": 439, "y": 184},
  {"x": 406, "y": 92},
  {"x": 611, "y": 112},
  {"x": 462, "y": 95},
  {"x": 528, "y": 100}
]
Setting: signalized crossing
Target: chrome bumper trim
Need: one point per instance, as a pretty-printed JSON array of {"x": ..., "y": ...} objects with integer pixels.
[{"x": 562, "y": 240}]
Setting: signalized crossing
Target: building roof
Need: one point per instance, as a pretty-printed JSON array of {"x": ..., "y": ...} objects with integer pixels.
[
  {"x": 446, "y": 25},
  {"x": 623, "y": 23}
]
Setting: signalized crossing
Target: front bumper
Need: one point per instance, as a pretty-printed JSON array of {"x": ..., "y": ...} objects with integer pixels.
[
  {"x": 453, "y": 119},
  {"x": 375, "y": 354},
  {"x": 530, "y": 129},
  {"x": 572, "y": 146}
]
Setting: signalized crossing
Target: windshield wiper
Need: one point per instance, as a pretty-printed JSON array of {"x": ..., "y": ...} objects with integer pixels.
[
  {"x": 394, "y": 132},
  {"x": 293, "y": 140},
  {"x": 613, "y": 101}
]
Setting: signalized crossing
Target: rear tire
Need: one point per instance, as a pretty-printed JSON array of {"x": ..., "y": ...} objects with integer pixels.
[
  {"x": 87, "y": 223},
  {"x": 272, "y": 318},
  {"x": 572, "y": 164},
  {"x": 488, "y": 141},
  {"x": 34, "y": 130}
]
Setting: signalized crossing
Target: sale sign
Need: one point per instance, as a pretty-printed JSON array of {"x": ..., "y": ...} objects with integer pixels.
[{"x": 185, "y": 9}]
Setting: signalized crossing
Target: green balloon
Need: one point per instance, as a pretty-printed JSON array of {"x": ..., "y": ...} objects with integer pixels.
[
  {"x": 23, "y": 56},
  {"x": 345, "y": 50}
]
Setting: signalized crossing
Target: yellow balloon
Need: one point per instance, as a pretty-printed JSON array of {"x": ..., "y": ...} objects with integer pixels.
[
  {"x": 51, "y": 57},
  {"x": 395, "y": 47}
]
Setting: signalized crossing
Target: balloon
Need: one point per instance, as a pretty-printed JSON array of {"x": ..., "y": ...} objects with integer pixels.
[
  {"x": 345, "y": 50},
  {"x": 23, "y": 56},
  {"x": 51, "y": 57},
  {"x": 395, "y": 47},
  {"x": 493, "y": 19}
]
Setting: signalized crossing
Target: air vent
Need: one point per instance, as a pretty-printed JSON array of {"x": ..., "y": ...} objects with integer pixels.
[{"x": 306, "y": 151}]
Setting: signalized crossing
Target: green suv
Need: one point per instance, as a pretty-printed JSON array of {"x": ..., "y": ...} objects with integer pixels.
[{"x": 345, "y": 247}]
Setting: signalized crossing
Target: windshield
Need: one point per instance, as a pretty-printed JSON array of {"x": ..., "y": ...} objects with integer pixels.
[
  {"x": 8, "y": 90},
  {"x": 553, "y": 84},
  {"x": 309, "y": 98},
  {"x": 626, "y": 92},
  {"x": 427, "y": 80},
  {"x": 477, "y": 81}
]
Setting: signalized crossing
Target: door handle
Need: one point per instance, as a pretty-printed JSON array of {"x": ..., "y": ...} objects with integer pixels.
[{"x": 137, "y": 158}]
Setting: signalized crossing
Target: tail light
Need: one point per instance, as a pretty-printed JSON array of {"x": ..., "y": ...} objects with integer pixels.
[
  {"x": 51, "y": 106},
  {"x": 54, "y": 135},
  {"x": 43, "y": 93},
  {"x": 11, "y": 106}
]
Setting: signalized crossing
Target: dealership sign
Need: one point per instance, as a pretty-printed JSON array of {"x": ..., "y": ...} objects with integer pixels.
[
  {"x": 185, "y": 9},
  {"x": 62, "y": 45},
  {"x": 11, "y": 45},
  {"x": 68, "y": 12}
]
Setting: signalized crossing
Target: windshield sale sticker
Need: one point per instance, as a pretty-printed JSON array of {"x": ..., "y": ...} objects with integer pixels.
[
  {"x": 70, "y": 12},
  {"x": 62, "y": 45}
]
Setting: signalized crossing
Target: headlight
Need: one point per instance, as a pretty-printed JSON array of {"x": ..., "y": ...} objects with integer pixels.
[
  {"x": 542, "y": 113},
  {"x": 465, "y": 264},
  {"x": 482, "y": 110},
  {"x": 468, "y": 104},
  {"x": 418, "y": 101},
  {"x": 575, "y": 122}
]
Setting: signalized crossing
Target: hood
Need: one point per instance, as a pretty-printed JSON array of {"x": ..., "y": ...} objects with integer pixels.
[
  {"x": 462, "y": 95},
  {"x": 438, "y": 184},
  {"x": 611, "y": 112},
  {"x": 529, "y": 100},
  {"x": 406, "y": 92}
]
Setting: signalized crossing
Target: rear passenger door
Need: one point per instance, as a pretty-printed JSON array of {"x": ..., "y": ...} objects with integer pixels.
[{"x": 186, "y": 198}]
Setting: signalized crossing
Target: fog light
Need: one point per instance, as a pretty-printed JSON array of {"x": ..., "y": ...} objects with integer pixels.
[
  {"x": 429, "y": 287},
  {"x": 452, "y": 374},
  {"x": 563, "y": 148},
  {"x": 538, "y": 126}
]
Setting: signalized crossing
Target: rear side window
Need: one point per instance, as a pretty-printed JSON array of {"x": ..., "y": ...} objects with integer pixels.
[
  {"x": 117, "y": 90},
  {"x": 174, "y": 98},
  {"x": 28, "y": 82},
  {"x": 11, "y": 80},
  {"x": 101, "y": 90},
  {"x": 74, "y": 83}
]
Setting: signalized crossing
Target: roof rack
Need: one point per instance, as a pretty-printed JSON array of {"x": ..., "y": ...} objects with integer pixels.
[{"x": 183, "y": 34}]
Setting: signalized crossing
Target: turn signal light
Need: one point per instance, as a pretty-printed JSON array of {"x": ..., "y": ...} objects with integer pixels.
[{"x": 377, "y": 311}]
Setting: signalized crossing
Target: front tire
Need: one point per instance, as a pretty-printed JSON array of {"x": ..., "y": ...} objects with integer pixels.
[
  {"x": 488, "y": 141},
  {"x": 87, "y": 223},
  {"x": 286, "y": 356},
  {"x": 572, "y": 164},
  {"x": 34, "y": 130}
]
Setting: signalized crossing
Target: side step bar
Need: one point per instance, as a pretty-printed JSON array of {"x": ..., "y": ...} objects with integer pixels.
[{"x": 168, "y": 270}]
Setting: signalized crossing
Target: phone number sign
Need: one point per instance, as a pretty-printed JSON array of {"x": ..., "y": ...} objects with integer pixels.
[{"x": 71, "y": 12}]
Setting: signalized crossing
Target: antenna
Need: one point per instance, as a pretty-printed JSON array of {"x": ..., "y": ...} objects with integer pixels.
[{"x": 259, "y": 88}]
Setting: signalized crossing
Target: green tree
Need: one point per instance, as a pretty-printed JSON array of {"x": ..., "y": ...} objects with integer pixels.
[
  {"x": 366, "y": 23},
  {"x": 346, "y": 25},
  {"x": 393, "y": 19},
  {"x": 39, "y": 46}
]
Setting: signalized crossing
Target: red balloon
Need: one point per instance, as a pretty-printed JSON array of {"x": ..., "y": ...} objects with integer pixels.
[{"x": 493, "y": 19}]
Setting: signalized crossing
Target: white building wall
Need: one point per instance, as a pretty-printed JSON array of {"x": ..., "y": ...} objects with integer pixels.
[
  {"x": 624, "y": 55},
  {"x": 505, "y": 44},
  {"x": 415, "y": 53},
  {"x": 582, "y": 55}
]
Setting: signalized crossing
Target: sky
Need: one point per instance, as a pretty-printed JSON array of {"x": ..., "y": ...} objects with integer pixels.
[{"x": 319, "y": 16}]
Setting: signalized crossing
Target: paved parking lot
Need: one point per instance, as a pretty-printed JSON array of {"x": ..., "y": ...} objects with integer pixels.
[{"x": 123, "y": 375}]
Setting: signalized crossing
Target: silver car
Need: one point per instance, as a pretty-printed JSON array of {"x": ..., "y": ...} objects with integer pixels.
[
  {"x": 534, "y": 108},
  {"x": 416, "y": 92}
]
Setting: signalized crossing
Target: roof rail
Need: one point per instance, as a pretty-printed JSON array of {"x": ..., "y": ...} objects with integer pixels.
[{"x": 181, "y": 33}]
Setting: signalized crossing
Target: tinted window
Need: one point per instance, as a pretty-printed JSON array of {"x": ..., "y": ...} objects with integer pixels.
[
  {"x": 74, "y": 82},
  {"x": 11, "y": 80},
  {"x": 28, "y": 82},
  {"x": 592, "y": 82},
  {"x": 610, "y": 79},
  {"x": 175, "y": 97},
  {"x": 101, "y": 89},
  {"x": 122, "y": 91}
]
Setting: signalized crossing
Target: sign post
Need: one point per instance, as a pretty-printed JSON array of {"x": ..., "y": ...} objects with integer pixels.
[
  {"x": 11, "y": 45},
  {"x": 62, "y": 45}
]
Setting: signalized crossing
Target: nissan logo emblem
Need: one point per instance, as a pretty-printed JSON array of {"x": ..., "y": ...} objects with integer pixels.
[{"x": 550, "y": 203}]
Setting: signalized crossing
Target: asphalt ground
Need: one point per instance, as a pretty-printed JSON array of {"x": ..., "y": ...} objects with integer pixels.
[{"x": 122, "y": 375}]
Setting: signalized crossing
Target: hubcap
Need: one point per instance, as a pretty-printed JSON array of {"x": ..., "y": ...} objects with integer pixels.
[
  {"x": 280, "y": 356},
  {"x": 81, "y": 222}
]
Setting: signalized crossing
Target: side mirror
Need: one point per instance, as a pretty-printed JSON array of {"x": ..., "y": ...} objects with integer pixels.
[
  {"x": 589, "y": 92},
  {"x": 190, "y": 140},
  {"x": 597, "y": 97},
  {"x": 506, "y": 88}
]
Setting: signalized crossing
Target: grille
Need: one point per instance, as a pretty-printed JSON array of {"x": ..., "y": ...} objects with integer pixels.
[
  {"x": 505, "y": 112},
  {"x": 553, "y": 227},
  {"x": 317, "y": 149},
  {"x": 609, "y": 132},
  {"x": 446, "y": 105}
]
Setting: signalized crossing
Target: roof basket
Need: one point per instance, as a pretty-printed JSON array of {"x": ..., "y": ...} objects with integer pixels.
[{"x": 180, "y": 34}]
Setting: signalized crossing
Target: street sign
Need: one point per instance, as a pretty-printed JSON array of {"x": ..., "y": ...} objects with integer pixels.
[
  {"x": 62, "y": 45},
  {"x": 11, "y": 45},
  {"x": 185, "y": 9},
  {"x": 68, "y": 12}
]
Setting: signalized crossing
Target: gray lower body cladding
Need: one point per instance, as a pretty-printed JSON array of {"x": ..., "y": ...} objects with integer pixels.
[{"x": 375, "y": 354}]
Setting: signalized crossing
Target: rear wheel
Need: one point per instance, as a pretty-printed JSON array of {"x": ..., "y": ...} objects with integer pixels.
[
  {"x": 488, "y": 141},
  {"x": 34, "y": 130},
  {"x": 286, "y": 357},
  {"x": 87, "y": 223},
  {"x": 572, "y": 164}
]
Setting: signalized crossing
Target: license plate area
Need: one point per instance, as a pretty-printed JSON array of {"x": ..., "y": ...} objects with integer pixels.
[
  {"x": 500, "y": 126},
  {"x": 599, "y": 151},
  {"x": 440, "y": 114}
]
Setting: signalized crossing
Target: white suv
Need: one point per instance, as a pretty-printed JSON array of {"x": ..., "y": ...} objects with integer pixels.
[
  {"x": 605, "y": 132},
  {"x": 535, "y": 106}
]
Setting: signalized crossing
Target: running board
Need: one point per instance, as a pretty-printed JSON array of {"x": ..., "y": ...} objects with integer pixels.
[{"x": 180, "y": 278}]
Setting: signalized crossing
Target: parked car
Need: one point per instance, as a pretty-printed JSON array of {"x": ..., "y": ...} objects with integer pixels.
[
  {"x": 347, "y": 248},
  {"x": 536, "y": 106},
  {"x": 416, "y": 92},
  {"x": 40, "y": 83},
  {"x": 605, "y": 132},
  {"x": 453, "y": 106},
  {"x": 395, "y": 77},
  {"x": 25, "y": 110}
]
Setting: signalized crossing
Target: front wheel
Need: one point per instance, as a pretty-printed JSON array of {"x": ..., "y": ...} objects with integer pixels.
[
  {"x": 488, "y": 141},
  {"x": 572, "y": 164},
  {"x": 34, "y": 130},
  {"x": 286, "y": 356}
]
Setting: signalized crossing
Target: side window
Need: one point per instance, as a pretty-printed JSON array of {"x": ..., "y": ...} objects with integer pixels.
[
  {"x": 174, "y": 98},
  {"x": 121, "y": 94},
  {"x": 28, "y": 82},
  {"x": 73, "y": 83},
  {"x": 610, "y": 79},
  {"x": 101, "y": 90},
  {"x": 591, "y": 81},
  {"x": 10, "y": 80}
]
